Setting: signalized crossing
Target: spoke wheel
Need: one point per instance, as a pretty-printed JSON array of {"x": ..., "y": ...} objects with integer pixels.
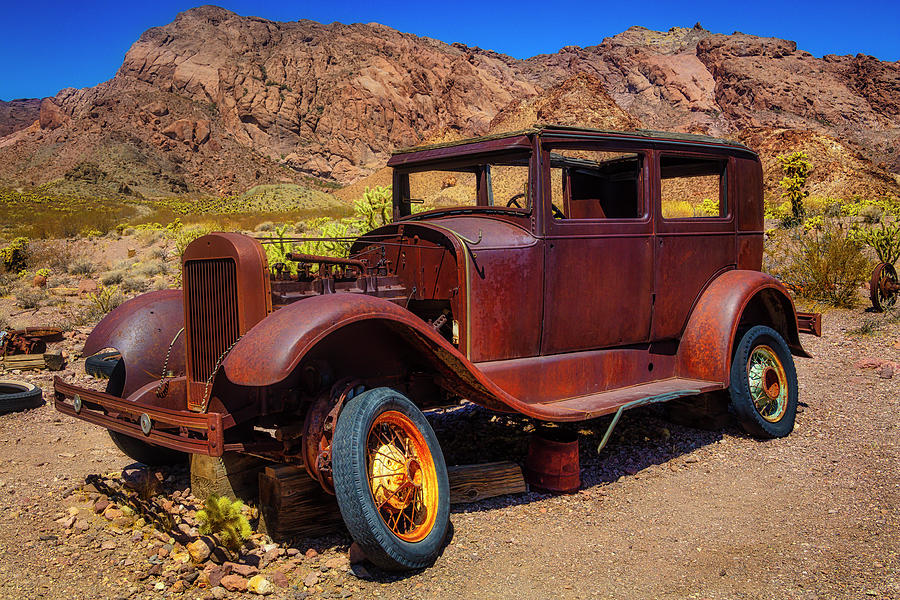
[
  {"x": 764, "y": 384},
  {"x": 402, "y": 477},
  {"x": 390, "y": 480},
  {"x": 883, "y": 287},
  {"x": 768, "y": 383}
]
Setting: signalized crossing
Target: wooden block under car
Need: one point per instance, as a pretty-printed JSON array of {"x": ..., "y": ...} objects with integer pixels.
[
  {"x": 52, "y": 361},
  {"x": 233, "y": 475},
  {"x": 291, "y": 503}
]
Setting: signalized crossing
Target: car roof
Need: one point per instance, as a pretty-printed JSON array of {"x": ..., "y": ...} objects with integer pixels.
[{"x": 519, "y": 139}]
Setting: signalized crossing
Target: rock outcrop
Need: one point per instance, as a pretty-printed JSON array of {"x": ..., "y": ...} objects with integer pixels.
[{"x": 214, "y": 102}]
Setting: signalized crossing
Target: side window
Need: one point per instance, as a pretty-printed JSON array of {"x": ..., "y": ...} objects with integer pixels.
[
  {"x": 593, "y": 184},
  {"x": 692, "y": 188}
]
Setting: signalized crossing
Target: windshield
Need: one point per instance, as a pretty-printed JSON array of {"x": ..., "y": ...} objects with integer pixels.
[{"x": 498, "y": 183}]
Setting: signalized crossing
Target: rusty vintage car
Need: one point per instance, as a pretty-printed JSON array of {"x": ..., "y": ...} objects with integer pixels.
[{"x": 561, "y": 273}]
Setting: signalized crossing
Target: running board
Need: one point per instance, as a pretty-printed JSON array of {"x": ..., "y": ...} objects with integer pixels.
[{"x": 604, "y": 403}]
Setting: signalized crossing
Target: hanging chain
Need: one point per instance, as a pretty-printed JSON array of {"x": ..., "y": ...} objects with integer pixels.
[
  {"x": 216, "y": 368},
  {"x": 162, "y": 389}
]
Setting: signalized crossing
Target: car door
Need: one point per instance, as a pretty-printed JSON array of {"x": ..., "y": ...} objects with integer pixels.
[
  {"x": 695, "y": 233},
  {"x": 598, "y": 251}
]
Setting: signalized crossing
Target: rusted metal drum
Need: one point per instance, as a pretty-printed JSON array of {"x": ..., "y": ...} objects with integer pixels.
[{"x": 552, "y": 463}]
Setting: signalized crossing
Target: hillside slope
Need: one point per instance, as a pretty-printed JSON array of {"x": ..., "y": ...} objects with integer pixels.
[{"x": 216, "y": 103}]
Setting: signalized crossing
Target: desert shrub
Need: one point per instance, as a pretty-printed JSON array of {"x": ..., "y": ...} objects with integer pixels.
[
  {"x": 106, "y": 298},
  {"x": 159, "y": 254},
  {"x": 183, "y": 235},
  {"x": 224, "y": 519},
  {"x": 148, "y": 237},
  {"x": 30, "y": 297},
  {"x": 884, "y": 240},
  {"x": 81, "y": 266},
  {"x": 871, "y": 214},
  {"x": 14, "y": 255},
  {"x": 150, "y": 268},
  {"x": 796, "y": 168},
  {"x": 825, "y": 264},
  {"x": 58, "y": 255},
  {"x": 112, "y": 277},
  {"x": 133, "y": 284},
  {"x": 266, "y": 226}
]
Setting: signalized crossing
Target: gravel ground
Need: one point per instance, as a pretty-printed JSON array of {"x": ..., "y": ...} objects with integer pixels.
[{"x": 665, "y": 512}]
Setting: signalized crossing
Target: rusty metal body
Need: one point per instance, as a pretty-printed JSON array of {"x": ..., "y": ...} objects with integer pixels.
[{"x": 515, "y": 308}]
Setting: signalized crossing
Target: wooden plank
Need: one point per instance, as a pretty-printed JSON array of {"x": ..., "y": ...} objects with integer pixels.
[
  {"x": 471, "y": 483},
  {"x": 53, "y": 361}
]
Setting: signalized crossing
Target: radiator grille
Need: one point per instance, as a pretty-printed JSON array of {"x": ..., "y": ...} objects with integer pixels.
[{"x": 211, "y": 288}]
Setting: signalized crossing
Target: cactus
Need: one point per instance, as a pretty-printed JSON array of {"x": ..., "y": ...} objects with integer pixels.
[{"x": 225, "y": 519}]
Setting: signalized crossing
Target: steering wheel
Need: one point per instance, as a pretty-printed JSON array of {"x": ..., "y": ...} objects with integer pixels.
[
  {"x": 514, "y": 201},
  {"x": 557, "y": 214}
]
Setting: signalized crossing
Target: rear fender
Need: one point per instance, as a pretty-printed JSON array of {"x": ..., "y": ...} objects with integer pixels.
[
  {"x": 142, "y": 329},
  {"x": 734, "y": 299}
]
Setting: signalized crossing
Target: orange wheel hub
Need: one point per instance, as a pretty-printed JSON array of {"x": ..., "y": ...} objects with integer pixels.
[{"x": 402, "y": 476}]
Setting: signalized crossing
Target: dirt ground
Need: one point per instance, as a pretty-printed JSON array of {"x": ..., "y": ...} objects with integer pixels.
[{"x": 666, "y": 511}]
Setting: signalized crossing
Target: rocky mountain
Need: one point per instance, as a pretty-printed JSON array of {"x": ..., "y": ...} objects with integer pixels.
[
  {"x": 216, "y": 103},
  {"x": 18, "y": 114}
]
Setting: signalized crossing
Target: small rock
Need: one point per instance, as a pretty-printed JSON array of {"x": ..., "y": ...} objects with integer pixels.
[
  {"x": 360, "y": 571},
  {"x": 311, "y": 579},
  {"x": 199, "y": 550},
  {"x": 885, "y": 371},
  {"x": 108, "y": 545},
  {"x": 338, "y": 562},
  {"x": 177, "y": 587},
  {"x": 112, "y": 513},
  {"x": 311, "y": 553},
  {"x": 82, "y": 525},
  {"x": 101, "y": 505},
  {"x": 279, "y": 579},
  {"x": 123, "y": 522},
  {"x": 243, "y": 570},
  {"x": 191, "y": 577},
  {"x": 868, "y": 363},
  {"x": 67, "y": 523},
  {"x": 160, "y": 586},
  {"x": 218, "y": 592},
  {"x": 216, "y": 574},
  {"x": 292, "y": 552},
  {"x": 234, "y": 583},
  {"x": 260, "y": 585},
  {"x": 268, "y": 557}
]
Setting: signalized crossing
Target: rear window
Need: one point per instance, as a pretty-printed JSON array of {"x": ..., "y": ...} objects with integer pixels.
[{"x": 692, "y": 188}]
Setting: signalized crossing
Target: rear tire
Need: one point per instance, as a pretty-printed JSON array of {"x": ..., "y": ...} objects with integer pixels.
[
  {"x": 764, "y": 384},
  {"x": 390, "y": 480},
  {"x": 142, "y": 452},
  {"x": 102, "y": 365}
]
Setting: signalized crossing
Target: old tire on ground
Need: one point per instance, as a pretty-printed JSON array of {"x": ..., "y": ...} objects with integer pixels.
[
  {"x": 764, "y": 384},
  {"x": 390, "y": 480},
  {"x": 140, "y": 451},
  {"x": 882, "y": 290},
  {"x": 102, "y": 365},
  {"x": 18, "y": 395}
]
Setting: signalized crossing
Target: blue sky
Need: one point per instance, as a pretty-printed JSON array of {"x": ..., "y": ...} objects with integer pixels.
[{"x": 53, "y": 44}]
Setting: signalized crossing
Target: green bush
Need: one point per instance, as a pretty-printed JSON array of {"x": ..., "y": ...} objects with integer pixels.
[
  {"x": 825, "y": 264},
  {"x": 14, "y": 255},
  {"x": 224, "y": 519}
]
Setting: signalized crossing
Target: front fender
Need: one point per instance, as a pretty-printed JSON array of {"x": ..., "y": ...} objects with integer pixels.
[
  {"x": 268, "y": 353},
  {"x": 706, "y": 347},
  {"x": 142, "y": 329}
]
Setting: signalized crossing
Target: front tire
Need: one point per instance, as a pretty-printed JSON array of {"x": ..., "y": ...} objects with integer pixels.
[
  {"x": 390, "y": 480},
  {"x": 764, "y": 384}
]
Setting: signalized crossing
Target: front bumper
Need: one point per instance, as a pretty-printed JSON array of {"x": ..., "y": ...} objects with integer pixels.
[{"x": 186, "y": 431}]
